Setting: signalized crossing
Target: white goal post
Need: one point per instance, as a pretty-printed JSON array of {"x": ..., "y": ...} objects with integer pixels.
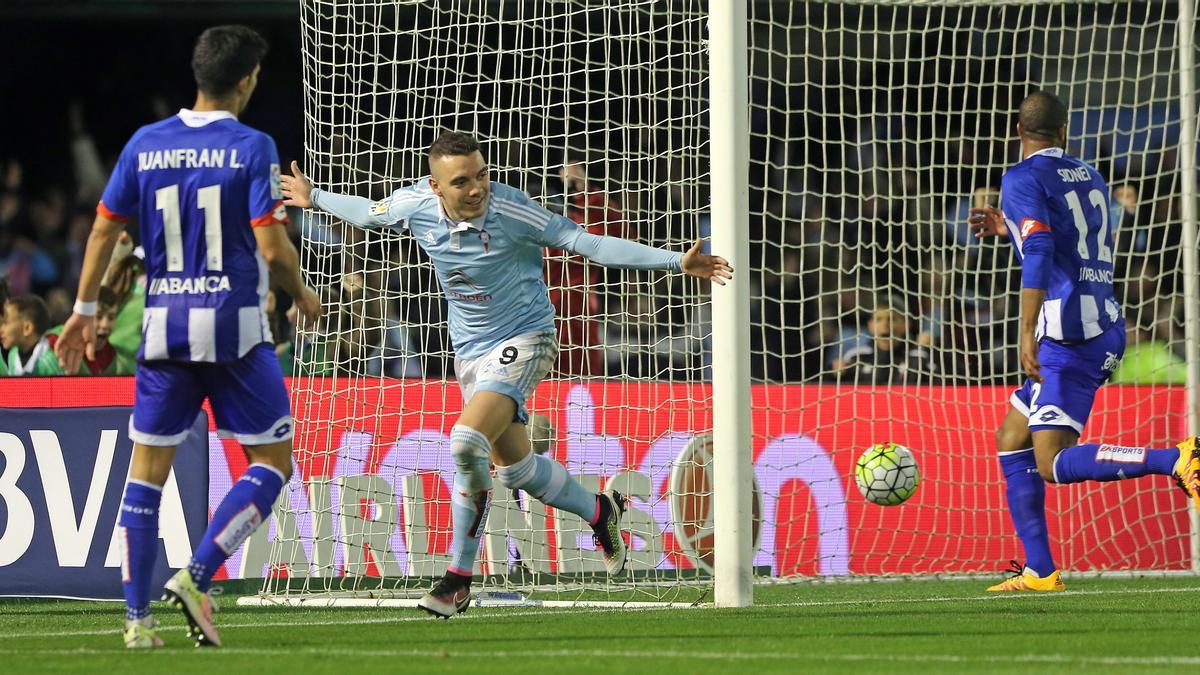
[{"x": 829, "y": 149}]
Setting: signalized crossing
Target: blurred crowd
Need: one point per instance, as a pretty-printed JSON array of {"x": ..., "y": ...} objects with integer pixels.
[{"x": 885, "y": 287}]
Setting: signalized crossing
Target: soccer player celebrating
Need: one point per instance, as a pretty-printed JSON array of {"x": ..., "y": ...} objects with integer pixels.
[
  {"x": 205, "y": 188},
  {"x": 485, "y": 240},
  {"x": 1072, "y": 336}
]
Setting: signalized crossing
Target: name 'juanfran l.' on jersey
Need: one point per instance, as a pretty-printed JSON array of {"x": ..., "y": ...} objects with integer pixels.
[
  {"x": 199, "y": 182},
  {"x": 1057, "y": 211}
]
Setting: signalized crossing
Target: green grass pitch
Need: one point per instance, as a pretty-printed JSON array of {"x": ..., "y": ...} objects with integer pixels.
[{"x": 1105, "y": 625}]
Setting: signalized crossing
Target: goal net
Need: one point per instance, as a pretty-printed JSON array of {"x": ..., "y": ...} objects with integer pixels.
[{"x": 875, "y": 316}]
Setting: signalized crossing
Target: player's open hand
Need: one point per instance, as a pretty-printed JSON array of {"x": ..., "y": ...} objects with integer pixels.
[
  {"x": 987, "y": 222},
  {"x": 699, "y": 264},
  {"x": 1029, "y": 357},
  {"x": 309, "y": 304},
  {"x": 78, "y": 338},
  {"x": 297, "y": 190}
]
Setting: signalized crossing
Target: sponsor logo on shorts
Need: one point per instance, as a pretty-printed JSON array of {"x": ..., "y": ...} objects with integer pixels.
[
  {"x": 1048, "y": 416},
  {"x": 1111, "y": 361},
  {"x": 1125, "y": 454},
  {"x": 282, "y": 430}
]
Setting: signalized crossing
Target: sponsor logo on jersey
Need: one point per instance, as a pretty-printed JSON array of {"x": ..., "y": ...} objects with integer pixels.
[
  {"x": 429, "y": 238},
  {"x": 1093, "y": 274},
  {"x": 276, "y": 184},
  {"x": 1030, "y": 226},
  {"x": 180, "y": 286},
  {"x": 459, "y": 277},
  {"x": 1125, "y": 454}
]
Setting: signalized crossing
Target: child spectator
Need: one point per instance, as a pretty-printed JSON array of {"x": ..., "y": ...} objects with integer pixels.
[{"x": 27, "y": 352}]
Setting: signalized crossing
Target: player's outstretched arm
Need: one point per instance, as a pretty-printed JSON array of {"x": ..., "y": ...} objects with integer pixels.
[
  {"x": 625, "y": 254},
  {"x": 79, "y": 333},
  {"x": 299, "y": 191},
  {"x": 699, "y": 264}
]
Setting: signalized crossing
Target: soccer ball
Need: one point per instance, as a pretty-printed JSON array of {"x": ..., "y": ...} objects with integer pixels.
[{"x": 886, "y": 474}]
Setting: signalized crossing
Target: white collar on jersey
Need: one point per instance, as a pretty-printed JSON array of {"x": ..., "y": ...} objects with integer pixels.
[
  {"x": 1049, "y": 152},
  {"x": 199, "y": 118},
  {"x": 453, "y": 225}
]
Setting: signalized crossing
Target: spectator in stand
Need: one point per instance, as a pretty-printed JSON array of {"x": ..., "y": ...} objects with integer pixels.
[
  {"x": 574, "y": 283},
  {"x": 888, "y": 358},
  {"x": 105, "y": 359},
  {"x": 27, "y": 351}
]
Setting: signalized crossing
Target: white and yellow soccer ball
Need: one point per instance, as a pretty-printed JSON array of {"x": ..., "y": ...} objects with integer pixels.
[{"x": 887, "y": 474}]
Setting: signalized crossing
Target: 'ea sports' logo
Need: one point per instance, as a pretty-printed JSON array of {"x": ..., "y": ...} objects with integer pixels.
[{"x": 692, "y": 503}]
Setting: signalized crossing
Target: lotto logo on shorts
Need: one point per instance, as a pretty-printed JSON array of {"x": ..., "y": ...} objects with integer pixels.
[
  {"x": 1048, "y": 416},
  {"x": 1124, "y": 454},
  {"x": 282, "y": 430}
]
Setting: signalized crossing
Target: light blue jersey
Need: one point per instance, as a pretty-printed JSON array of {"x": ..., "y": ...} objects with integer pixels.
[{"x": 490, "y": 268}]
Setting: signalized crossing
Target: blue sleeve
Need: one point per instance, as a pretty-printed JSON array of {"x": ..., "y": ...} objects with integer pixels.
[
  {"x": 122, "y": 194},
  {"x": 393, "y": 211},
  {"x": 624, "y": 254},
  {"x": 266, "y": 193},
  {"x": 1024, "y": 203}
]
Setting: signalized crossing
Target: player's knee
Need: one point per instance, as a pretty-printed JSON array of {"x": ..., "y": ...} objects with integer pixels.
[
  {"x": 469, "y": 448},
  {"x": 1046, "y": 468}
]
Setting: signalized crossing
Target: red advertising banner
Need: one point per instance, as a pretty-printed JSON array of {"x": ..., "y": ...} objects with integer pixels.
[{"x": 807, "y": 438}]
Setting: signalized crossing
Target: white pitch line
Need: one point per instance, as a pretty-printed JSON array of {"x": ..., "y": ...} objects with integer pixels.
[
  {"x": 473, "y": 614},
  {"x": 982, "y": 598},
  {"x": 649, "y": 654},
  {"x": 501, "y": 613}
]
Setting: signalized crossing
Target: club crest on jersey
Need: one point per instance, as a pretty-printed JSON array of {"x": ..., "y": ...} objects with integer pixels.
[
  {"x": 485, "y": 237},
  {"x": 1030, "y": 226},
  {"x": 276, "y": 184}
]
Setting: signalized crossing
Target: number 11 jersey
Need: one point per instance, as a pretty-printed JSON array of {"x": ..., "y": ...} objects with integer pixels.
[{"x": 199, "y": 182}]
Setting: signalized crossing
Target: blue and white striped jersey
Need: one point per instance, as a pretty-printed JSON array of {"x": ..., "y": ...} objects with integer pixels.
[
  {"x": 1056, "y": 208},
  {"x": 199, "y": 182}
]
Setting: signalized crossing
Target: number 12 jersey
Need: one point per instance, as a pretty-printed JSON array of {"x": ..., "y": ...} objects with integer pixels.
[{"x": 1057, "y": 212}]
